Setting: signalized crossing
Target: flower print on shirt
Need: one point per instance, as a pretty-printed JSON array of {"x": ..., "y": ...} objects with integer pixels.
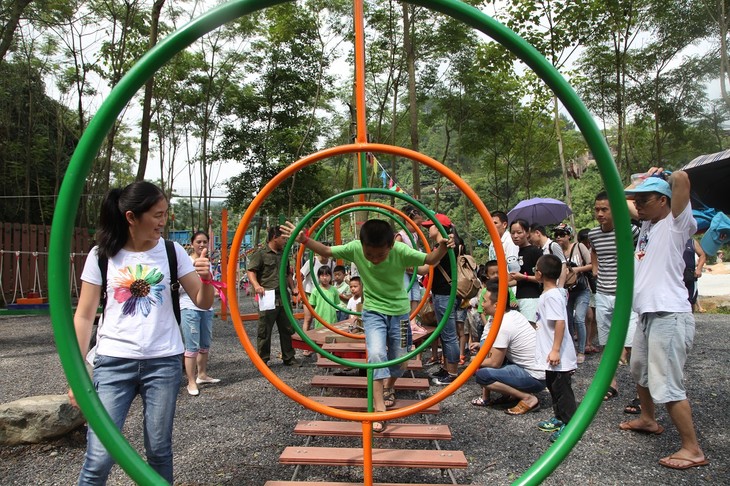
[{"x": 139, "y": 288}]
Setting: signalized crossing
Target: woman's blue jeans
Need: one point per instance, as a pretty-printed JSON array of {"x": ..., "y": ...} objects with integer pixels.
[
  {"x": 449, "y": 340},
  {"x": 118, "y": 381},
  {"x": 578, "y": 301}
]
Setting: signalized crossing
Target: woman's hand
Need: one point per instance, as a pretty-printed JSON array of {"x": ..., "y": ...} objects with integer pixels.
[{"x": 202, "y": 265}]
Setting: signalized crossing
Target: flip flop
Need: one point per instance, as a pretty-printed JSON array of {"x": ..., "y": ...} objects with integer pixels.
[
  {"x": 479, "y": 402},
  {"x": 634, "y": 407},
  {"x": 688, "y": 462},
  {"x": 389, "y": 397},
  {"x": 611, "y": 393},
  {"x": 521, "y": 408},
  {"x": 641, "y": 430}
]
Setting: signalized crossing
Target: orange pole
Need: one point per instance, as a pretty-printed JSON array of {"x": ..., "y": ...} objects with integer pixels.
[
  {"x": 367, "y": 452},
  {"x": 361, "y": 135},
  {"x": 224, "y": 257}
]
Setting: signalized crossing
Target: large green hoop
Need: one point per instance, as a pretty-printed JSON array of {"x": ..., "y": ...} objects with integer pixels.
[{"x": 90, "y": 143}]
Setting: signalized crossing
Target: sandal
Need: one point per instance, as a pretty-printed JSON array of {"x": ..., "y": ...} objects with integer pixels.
[
  {"x": 611, "y": 393},
  {"x": 590, "y": 349},
  {"x": 379, "y": 426},
  {"x": 433, "y": 360},
  {"x": 480, "y": 402},
  {"x": 521, "y": 408},
  {"x": 389, "y": 397},
  {"x": 462, "y": 359},
  {"x": 634, "y": 407}
]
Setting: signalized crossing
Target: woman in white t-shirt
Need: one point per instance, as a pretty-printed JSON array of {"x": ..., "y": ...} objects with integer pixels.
[
  {"x": 197, "y": 329},
  {"x": 139, "y": 346}
]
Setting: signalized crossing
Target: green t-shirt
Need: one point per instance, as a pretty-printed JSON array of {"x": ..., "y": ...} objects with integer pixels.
[
  {"x": 322, "y": 307},
  {"x": 383, "y": 289},
  {"x": 343, "y": 289}
]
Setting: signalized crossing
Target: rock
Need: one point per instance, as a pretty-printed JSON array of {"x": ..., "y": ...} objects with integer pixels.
[{"x": 35, "y": 419}]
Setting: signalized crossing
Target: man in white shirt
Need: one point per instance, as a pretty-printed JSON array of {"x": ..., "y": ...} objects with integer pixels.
[
  {"x": 510, "y": 367},
  {"x": 511, "y": 251},
  {"x": 666, "y": 326}
]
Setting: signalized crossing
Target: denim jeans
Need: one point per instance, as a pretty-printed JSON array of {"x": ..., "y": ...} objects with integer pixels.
[
  {"x": 118, "y": 381},
  {"x": 197, "y": 330},
  {"x": 449, "y": 340},
  {"x": 383, "y": 341},
  {"x": 577, "y": 306},
  {"x": 510, "y": 375}
]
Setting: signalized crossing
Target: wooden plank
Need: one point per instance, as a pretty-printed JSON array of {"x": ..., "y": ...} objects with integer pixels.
[
  {"x": 360, "y": 382},
  {"x": 319, "y": 483},
  {"x": 361, "y": 404},
  {"x": 335, "y": 428},
  {"x": 322, "y": 362},
  {"x": 407, "y": 458},
  {"x": 345, "y": 347}
]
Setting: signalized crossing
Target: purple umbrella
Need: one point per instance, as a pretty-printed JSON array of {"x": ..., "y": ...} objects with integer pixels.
[{"x": 541, "y": 210}]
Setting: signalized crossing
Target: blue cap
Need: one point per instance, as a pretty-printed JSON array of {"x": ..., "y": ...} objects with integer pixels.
[{"x": 651, "y": 184}]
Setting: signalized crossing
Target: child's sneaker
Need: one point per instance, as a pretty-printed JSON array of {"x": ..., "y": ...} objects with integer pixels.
[
  {"x": 441, "y": 373},
  {"x": 551, "y": 425},
  {"x": 444, "y": 381},
  {"x": 554, "y": 436}
]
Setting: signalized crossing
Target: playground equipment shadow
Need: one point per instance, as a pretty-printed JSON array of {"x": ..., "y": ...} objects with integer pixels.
[{"x": 234, "y": 432}]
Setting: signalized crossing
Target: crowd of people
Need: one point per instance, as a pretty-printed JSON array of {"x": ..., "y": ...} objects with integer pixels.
[{"x": 562, "y": 295}]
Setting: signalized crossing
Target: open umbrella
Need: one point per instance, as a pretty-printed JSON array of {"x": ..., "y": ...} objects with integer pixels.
[{"x": 540, "y": 210}]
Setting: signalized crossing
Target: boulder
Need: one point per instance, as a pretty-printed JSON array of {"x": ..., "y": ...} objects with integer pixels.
[{"x": 36, "y": 419}]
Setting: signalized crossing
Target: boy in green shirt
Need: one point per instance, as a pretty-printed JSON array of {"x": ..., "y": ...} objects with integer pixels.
[{"x": 381, "y": 262}]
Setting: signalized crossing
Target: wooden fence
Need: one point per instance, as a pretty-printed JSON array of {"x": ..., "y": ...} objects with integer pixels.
[{"x": 24, "y": 259}]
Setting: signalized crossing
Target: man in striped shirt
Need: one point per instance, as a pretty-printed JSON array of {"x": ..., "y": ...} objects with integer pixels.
[{"x": 603, "y": 249}]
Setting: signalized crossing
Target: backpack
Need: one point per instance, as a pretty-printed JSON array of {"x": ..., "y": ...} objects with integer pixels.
[
  {"x": 174, "y": 283},
  {"x": 467, "y": 283}
]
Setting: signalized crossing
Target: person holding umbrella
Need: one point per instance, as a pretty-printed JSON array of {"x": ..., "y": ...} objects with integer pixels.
[{"x": 528, "y": 288}]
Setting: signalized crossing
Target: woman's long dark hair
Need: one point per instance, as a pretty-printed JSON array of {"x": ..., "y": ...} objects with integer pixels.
[{"x": 113, "y": 231}]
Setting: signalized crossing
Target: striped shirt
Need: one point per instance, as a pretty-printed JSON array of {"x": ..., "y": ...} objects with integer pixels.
[{"x": 604, "y": 244}]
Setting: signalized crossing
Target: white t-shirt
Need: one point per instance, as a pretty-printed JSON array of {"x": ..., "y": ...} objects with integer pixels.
[
  {"x": 353, "y": 303},
  {"x": 511, "y": 251},
  {"x": 307, "y": 278},
  {"x": 550, "y": 308},
  {"x": 185, "y": 301},
  {"x": 552, "y": 248},
  {"x": 138, "y": 322},
  {"x": 517, "y": 337},
  {"x": 659, "y": 266}
]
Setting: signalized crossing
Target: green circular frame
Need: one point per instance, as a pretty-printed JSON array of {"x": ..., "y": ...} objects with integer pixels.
[
  {"x": 332, "y": 220},
  {"x": 287, "y": 305},
  {"x": 142, "y": 71}
]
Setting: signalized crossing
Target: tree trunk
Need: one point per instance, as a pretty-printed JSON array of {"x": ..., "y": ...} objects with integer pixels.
[
  {"x": 724, "y": 61},
  {"x": 561, "y": 155},
  {"x": 8, "y": 31},
  {"x": 144, "y": 145},
  {"x": 412, "y": 100}
]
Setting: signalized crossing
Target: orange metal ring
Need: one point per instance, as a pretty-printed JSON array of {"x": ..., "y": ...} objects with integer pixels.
[{"x": 333, "y": 152}]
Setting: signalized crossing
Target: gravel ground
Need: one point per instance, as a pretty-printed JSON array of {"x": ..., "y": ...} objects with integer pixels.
[{"x": 233, "y": 433}]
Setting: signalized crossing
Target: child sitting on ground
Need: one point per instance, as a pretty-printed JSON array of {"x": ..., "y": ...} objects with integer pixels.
[
  {"x": 381, "y": 262},
  {"x": 554, "y": 349}
]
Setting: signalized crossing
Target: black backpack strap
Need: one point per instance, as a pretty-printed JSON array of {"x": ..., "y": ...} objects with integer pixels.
[
  {"x": 103, "y": 266},
  {"x": 174, "y": 283}
]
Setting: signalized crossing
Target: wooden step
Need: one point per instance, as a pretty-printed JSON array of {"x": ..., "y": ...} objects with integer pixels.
[
  {"x": 361, "y": 404},
  {"x": 329, "y": 381},
  {"x": 337, "y": 428},
  {"x": 410, "y": 458},
  {"x": 317, "y": 483},
  {"x": 322, "y": 362},
  {"x": 345, "y": 347}
]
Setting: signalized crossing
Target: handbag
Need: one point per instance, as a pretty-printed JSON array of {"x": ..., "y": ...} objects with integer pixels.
[
  {"x": 427, "y": 315},
  {"x": 575, "y": 280}
]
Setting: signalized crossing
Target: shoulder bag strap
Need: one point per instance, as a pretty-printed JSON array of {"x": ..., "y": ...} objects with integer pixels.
[{"x": 174, "y": 283}]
